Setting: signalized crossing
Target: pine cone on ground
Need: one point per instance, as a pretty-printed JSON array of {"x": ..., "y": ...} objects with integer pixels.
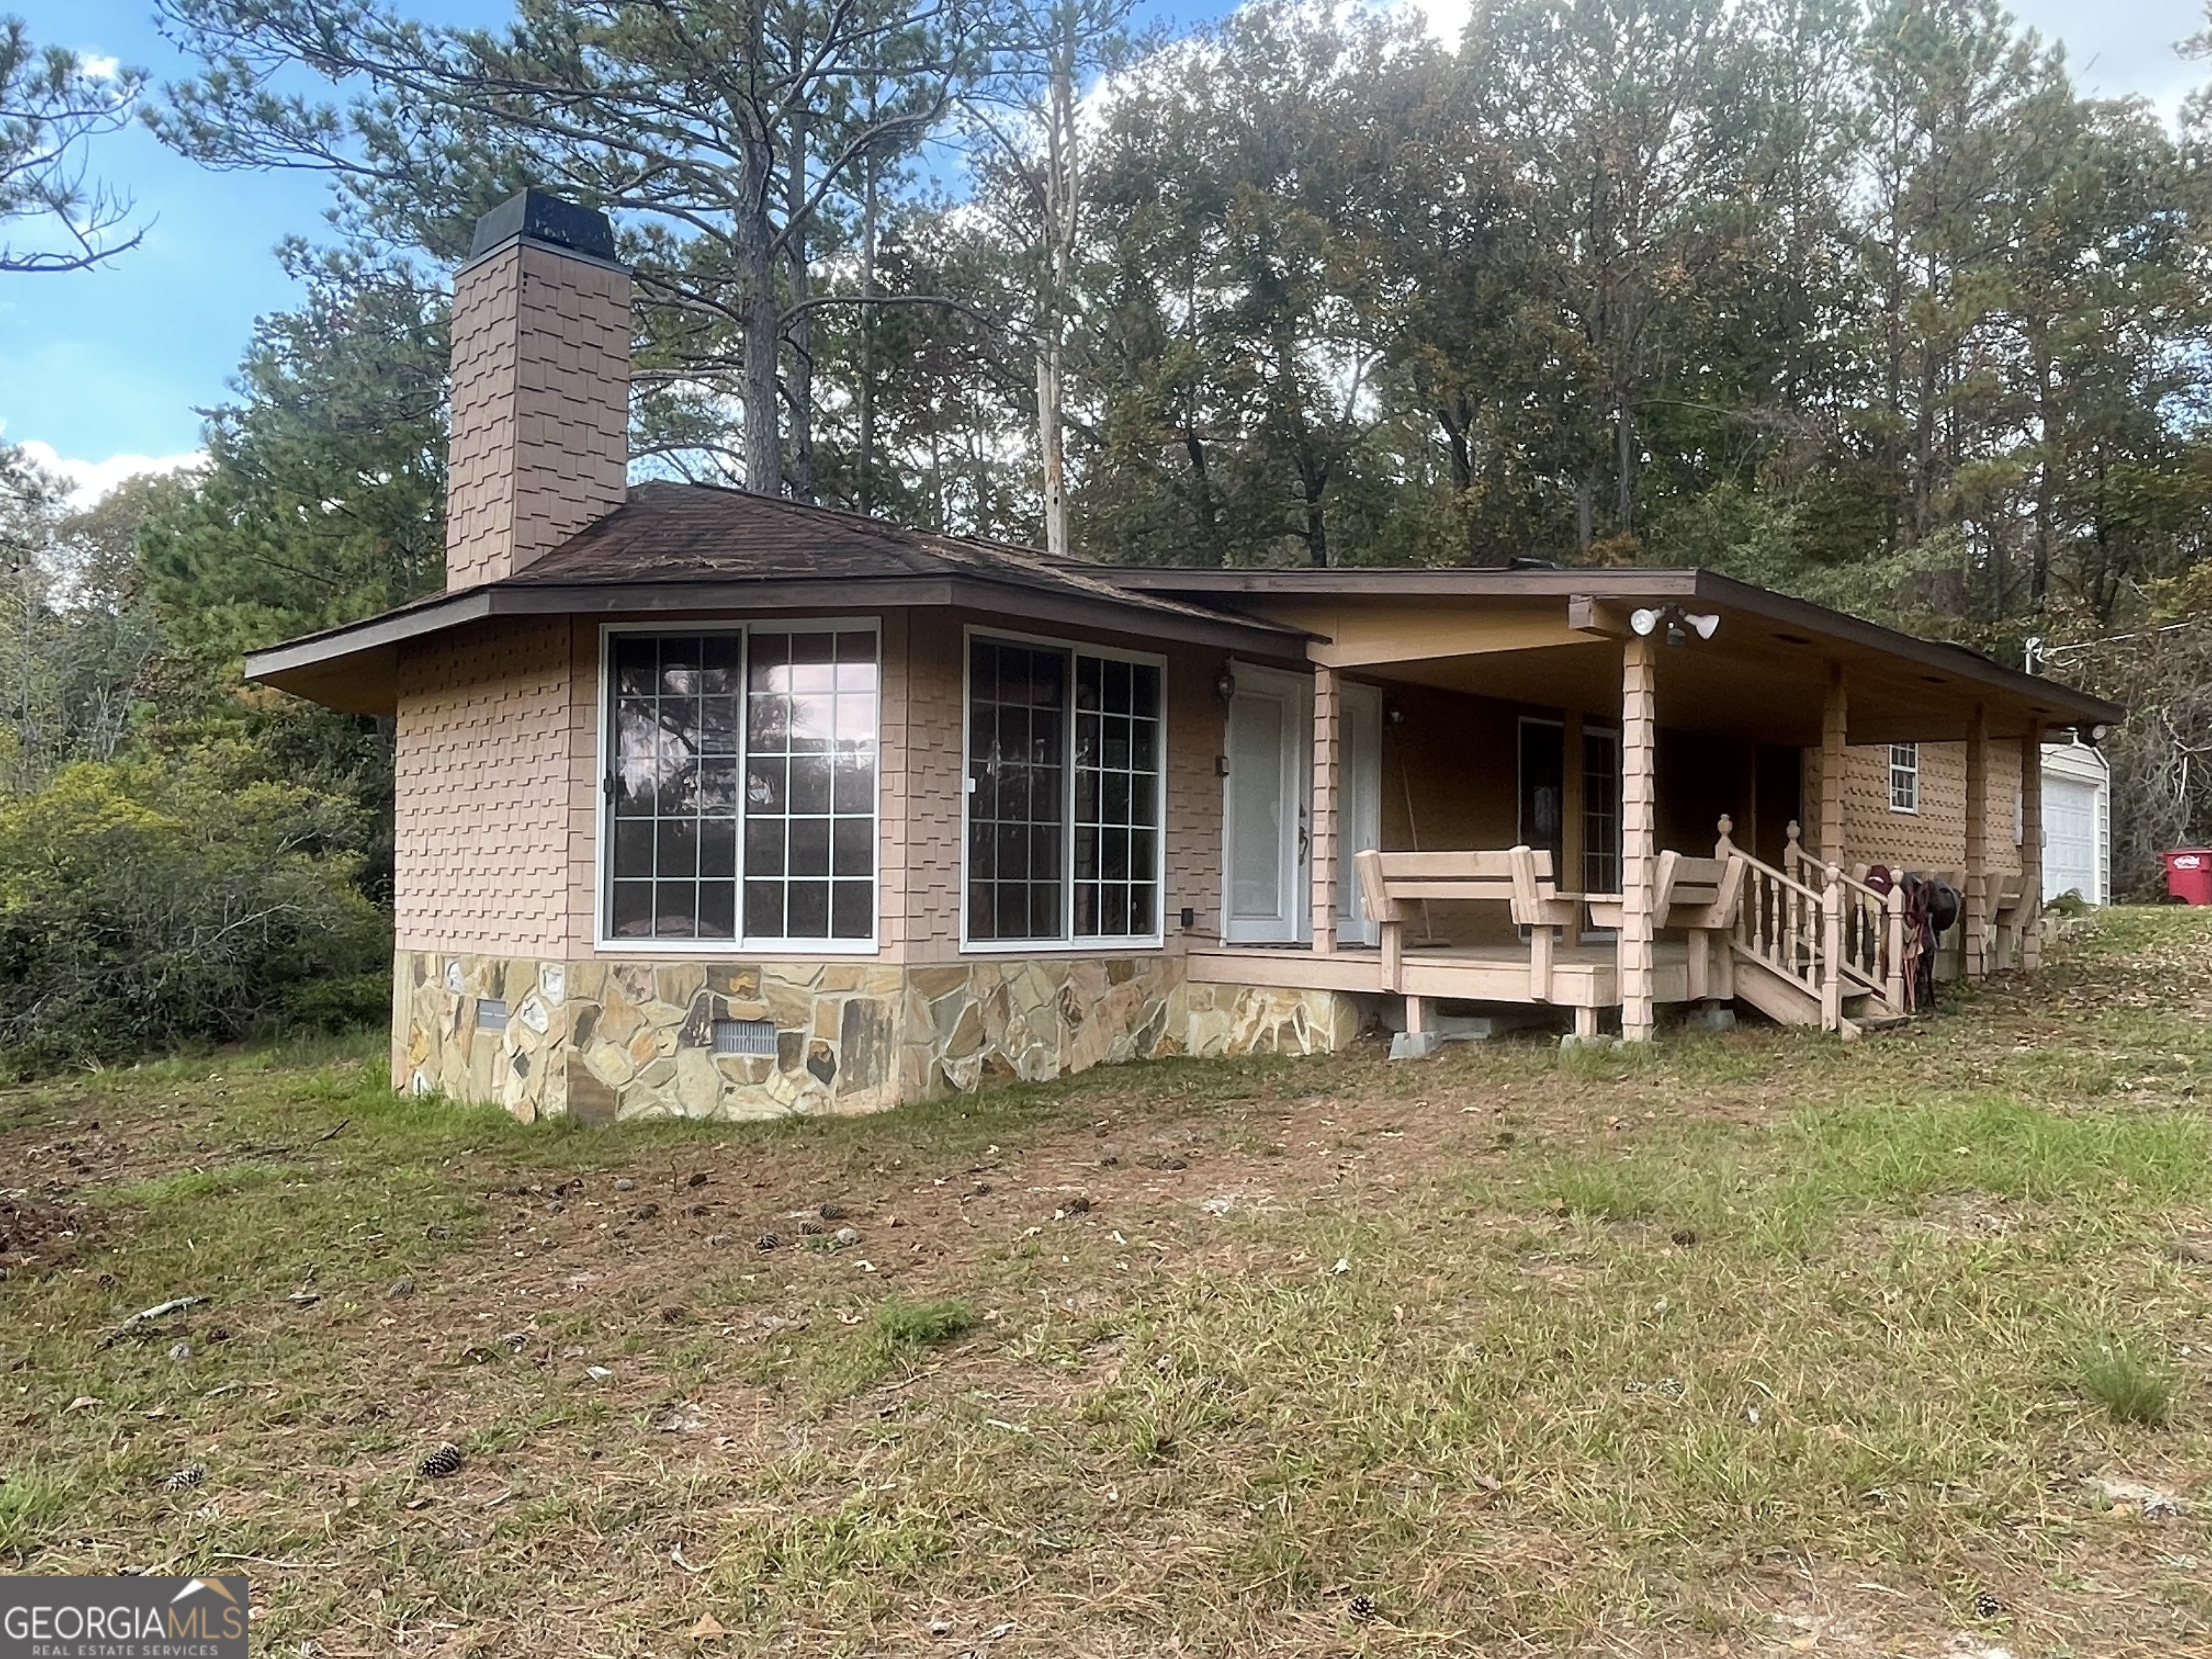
[
  {"x": 445, "y": 1461},
  {"x": 187, "y": 1479}
]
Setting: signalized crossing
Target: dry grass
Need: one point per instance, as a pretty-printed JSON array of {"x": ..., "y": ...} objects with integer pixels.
[{"x": 1753, "y": 1343}]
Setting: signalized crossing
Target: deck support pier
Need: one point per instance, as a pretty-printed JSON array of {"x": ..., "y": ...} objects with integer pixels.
[
  {"x": 1975, "y": 933},
  {"x": 1639, "y": 733},
  {"x": 2031, "y": 847},
  {"x": 1327, "y": 756}
]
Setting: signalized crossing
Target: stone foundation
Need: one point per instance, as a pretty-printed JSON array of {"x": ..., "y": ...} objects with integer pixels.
[{"x": 600, "y": 1040}]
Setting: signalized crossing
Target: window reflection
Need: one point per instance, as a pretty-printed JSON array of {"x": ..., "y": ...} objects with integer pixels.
[{"x": 743, "y": 781}]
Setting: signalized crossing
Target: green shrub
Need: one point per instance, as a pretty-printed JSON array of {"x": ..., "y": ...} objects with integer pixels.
[{"x": 145, "y": 905}]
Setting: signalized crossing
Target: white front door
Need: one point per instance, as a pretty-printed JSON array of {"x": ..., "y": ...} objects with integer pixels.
[
  {"x": 1359, "y": 806},
  {"x": 1263, "y": 808}
]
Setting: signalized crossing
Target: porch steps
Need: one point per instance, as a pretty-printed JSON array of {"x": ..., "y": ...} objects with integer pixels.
[{"x": 1786, "y": 1002}]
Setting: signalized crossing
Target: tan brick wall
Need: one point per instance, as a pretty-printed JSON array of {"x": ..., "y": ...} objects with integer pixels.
[
  {"x": 1934, "y": 838},
  {"x": 500, "y": 786},
  {"x": 484, "y": 819},
  {"x": 540, "y": 440}
]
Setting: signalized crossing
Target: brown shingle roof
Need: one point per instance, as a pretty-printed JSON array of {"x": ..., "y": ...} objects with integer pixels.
[{"x": 678, "y": 532}]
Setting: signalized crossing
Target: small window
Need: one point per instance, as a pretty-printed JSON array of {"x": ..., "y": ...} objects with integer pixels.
[{"x": 1904, "y": 777}]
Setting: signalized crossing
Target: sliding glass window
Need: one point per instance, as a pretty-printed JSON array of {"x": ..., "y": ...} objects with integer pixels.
[{"x": 741, "y": 785}]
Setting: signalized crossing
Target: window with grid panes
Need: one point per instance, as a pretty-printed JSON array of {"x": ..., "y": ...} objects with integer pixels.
[
  {"x": 1904, "y": 777},
  {"x": 1064, "y": 795},
  {"x": 742, "y": 786}
]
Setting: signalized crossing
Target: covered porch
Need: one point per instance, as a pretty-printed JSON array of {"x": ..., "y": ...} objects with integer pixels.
[{"x": 1675, "y": 823}]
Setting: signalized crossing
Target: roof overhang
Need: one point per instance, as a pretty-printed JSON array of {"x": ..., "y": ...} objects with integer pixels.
[
  {"x": 355, "y": 667},
  {"x": 1526, "y": 636}
]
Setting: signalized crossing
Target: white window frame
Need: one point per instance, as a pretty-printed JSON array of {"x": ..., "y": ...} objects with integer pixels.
[
  {"x": 1907, "y": 769},
  {"x": 1065, "y": 941},
  {"x": 603, "y": 808}
]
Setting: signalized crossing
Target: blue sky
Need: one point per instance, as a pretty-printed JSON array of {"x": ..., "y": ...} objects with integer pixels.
[{"x": 106, "y": 370}]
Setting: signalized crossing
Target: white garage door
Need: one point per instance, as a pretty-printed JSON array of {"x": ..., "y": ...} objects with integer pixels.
[{"x": 2069, "y": 846}]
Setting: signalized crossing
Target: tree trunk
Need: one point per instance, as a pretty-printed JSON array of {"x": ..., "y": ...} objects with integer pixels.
[
  {"x": 764, "y": 329},
  {"x": 865, "y": 485},
  {"x": 800, "y": 329},
  {"x": 1061, "y": 205},
  {"x": 1049, "y": 445},
  {"x": 1624, "y": 460},
  {"x": 2038, "y": 586}
]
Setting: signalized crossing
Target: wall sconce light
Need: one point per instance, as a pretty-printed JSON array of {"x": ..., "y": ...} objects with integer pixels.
[
  {"x": 1392, "y": 715},
  {"x": 1225, "y": 685}
]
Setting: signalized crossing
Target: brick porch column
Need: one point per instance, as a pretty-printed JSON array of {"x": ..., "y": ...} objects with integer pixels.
[
  {"x": 1639, "y": 852},
  {"x": 1328, "y": 752},
  {"x": 1976, "y": 932},
  {"x": 1835, "y": 713}
]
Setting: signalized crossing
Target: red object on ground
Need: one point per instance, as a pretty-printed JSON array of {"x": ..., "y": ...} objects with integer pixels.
[{"x": 2188, "y": 874}]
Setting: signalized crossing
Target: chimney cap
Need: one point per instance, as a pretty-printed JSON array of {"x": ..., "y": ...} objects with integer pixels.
[{"x": 537, "y": 215}]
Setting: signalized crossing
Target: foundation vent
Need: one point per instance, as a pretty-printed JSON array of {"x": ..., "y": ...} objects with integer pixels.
[
  {"x": 491, "y": 1014},
  {"x": 745, "y": 1036}
]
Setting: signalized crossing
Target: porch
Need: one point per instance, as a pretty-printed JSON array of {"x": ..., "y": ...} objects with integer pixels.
[{"x": 1593, "y": 896}]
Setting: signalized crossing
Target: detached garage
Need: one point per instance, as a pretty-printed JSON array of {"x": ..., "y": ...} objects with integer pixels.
[{"x": 2078, "y": 823}]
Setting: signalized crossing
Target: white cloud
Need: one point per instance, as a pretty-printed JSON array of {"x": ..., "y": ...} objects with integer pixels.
[
  {"x": 90, "y": 480},
  {"x": 100, "y": 65}
]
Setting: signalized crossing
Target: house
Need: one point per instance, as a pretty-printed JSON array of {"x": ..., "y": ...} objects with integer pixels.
[{"x": 718, "y": 804}]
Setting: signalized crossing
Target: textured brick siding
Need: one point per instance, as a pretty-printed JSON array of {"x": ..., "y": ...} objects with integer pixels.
[
  {"x": 585, "y": 797},
  {"x": 1934, "y": 838},
  {"x": 894, "y": 841},
  {"x": 541, "y": 407},
  {"x": 500, "y": 777},
  {"x": 485, "y": 791}
]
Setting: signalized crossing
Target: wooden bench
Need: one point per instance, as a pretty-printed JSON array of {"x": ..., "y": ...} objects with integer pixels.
[
  {"x": 1520, "y": 878},
  {"x": 2004, "y": 902},
  {"x": 1700, "y": 896}
]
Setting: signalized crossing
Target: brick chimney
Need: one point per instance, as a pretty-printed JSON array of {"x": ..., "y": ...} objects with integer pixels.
[{"x": 540, "y": 441}]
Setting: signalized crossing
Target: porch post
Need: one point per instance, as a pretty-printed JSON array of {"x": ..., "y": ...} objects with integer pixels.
[
  {"x": 1976, "y": 932},
  {"x": 1749, "y": 816},
  {"x": 1568, "y": 876},
  {"x": 2031, "y": 847},
  {"x": 1834, "y": 721},
  {"x": 1327, "y": 699},
  {"x": 1638, "y": 834}
]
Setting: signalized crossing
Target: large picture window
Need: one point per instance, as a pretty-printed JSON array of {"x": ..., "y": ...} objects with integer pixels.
[
  {"x": 1065, "y": 752},
  {"x": 741, "y": 785}
]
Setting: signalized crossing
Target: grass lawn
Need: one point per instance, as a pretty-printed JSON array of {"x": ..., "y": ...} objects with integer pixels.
[{"x": 1751, "y": 1343}]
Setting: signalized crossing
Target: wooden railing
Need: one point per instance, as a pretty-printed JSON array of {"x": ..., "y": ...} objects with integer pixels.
[
  {"x": 1781, "y": 922},
  {"x": 1840, "y": 938}
]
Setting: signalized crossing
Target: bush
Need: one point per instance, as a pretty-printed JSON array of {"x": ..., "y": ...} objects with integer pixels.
[{"x": 144, "y": 905}]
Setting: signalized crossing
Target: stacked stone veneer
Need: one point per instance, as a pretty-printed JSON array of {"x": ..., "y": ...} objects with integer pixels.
[{"x": 602, "y": 1040}]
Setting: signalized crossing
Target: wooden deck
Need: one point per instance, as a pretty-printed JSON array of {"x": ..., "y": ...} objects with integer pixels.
[{"x": 1582, "y": 975}]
